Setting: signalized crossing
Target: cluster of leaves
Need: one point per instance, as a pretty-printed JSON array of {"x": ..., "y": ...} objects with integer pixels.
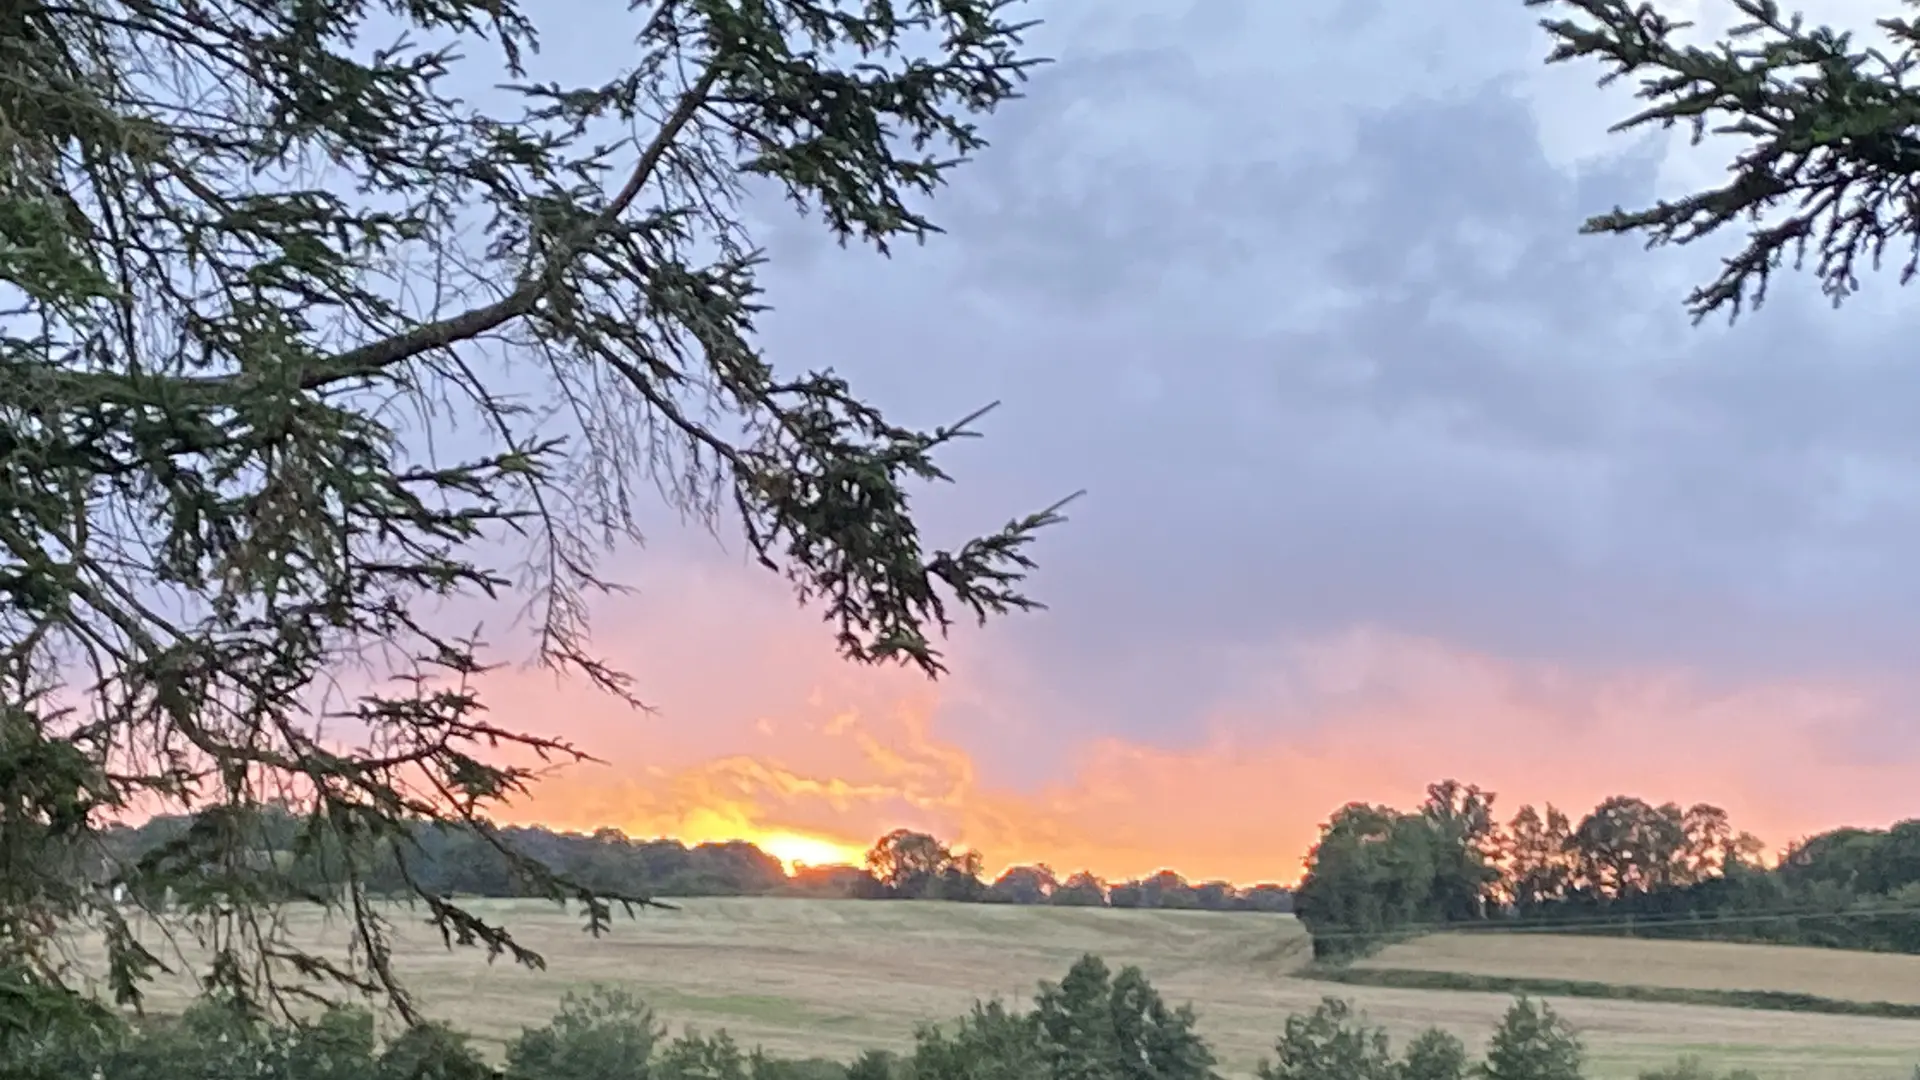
[{"x": 258, "y": 270}]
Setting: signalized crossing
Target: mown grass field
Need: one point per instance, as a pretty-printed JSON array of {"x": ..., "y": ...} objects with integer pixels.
[
  {"x": 832, "y": 978},
  {"x": 1694, "y": 965}
]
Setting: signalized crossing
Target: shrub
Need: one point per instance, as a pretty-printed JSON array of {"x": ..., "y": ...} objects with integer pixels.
[
  {"x": 432, "y": 1052},
  {"x": 1533, "y": 1043},
  {"x": 605, "y": 1034},
  {"x": 338, "y": 1046},
  {"x": 1331, "y": 1043},
  {"x": 989, "y": 1044},
  {"x": 763, "y": 1067},
  {"x": 873, "y": 1065},
  {"x": 1435, "y": 1055},
  {"x": 694, "y": 1057},
  {"x": 1092, "y": 1025}
]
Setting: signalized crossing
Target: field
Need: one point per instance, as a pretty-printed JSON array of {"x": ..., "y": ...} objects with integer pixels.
[
  {"x": 1694, "y": 965},
  {"x": 832, "y": 978}
]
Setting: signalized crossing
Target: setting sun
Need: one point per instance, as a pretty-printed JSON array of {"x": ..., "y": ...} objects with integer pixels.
[{"x": 795, "y": 850}]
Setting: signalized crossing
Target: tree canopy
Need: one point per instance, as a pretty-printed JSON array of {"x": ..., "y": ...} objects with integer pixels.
[
  {"x": 300, "y": 346},
  {"x": 1626, "y": 867}
]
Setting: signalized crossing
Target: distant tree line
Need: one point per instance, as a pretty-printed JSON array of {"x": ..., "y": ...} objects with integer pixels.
[
  {"x": 461, "y": 861},
  {"x": 1627, "y": 867},
  {"x": 455, "y": 860},
  {"x": 908, "y": 865}
]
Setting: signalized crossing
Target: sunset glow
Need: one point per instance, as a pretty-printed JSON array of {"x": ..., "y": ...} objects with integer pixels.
[
  {"x": 795, "y": 851},
  {"x": 813, "y": 759}
]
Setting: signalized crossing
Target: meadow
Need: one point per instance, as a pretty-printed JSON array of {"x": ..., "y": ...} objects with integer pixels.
[
  {"x": 1693, "y": 965},
  {"x": 832, "y": 978}
]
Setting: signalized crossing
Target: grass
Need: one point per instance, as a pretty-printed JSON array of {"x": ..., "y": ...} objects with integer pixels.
[
  {"x": 1780, "y": 1000},
  {"x": 806, "y": 978},
  {"x": 1688, "y": 965}
]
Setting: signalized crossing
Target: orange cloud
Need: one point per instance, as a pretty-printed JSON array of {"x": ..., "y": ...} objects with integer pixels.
[{"x": 762, "y": 734}]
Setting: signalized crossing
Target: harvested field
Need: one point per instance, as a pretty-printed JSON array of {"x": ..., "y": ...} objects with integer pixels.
[
  {"x": 1693, "y": 965},
  {"x": 832, "y": 978}
]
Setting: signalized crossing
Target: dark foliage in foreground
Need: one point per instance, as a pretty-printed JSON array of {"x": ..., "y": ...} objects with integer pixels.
[{"x": 262, "y": 263}]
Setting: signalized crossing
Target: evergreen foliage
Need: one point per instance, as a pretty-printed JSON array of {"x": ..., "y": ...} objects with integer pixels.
[
  {"x": 260, "y": 262},
  {"x": 1824, "y": 125}
]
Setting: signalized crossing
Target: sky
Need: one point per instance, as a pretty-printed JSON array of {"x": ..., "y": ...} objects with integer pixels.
[{"x": 1391, "y": 476}]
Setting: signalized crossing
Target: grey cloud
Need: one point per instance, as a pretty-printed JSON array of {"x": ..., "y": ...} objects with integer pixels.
[
  {"x": 1295, "y": 290},
  {"x": 1374, "y": 376}
]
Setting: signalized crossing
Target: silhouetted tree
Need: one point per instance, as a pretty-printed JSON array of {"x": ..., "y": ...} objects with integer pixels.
[
  {"x": 1628, "y": 867},
  {"x": 908, "y": 863},
  {"x": 228, "y": 378},
  {"x": 1216, "y": 896},
  {"x": 850, "y": 882},
  {"x": 959, "y": 880},
  {"x": 915, "y": 865},
  {"x": 1467, "y": 848},
  {"x": 1373, "y": 871},
  {"x": 1267, "y": 897},
  {"x": 1538, "y": 857},
  {"x": 1080, "y": 890},
  {"x": 1025, "y": 885},
  {"x": 1628, "y": 846},
  {"x": 1167, "y": 889}
]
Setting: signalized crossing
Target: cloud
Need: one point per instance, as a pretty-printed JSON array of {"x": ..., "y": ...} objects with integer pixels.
[
  {"x": 1307, "y": 726},
  {"x": 1392, "y": 475},
  {"x": 1373, "y": 376}
]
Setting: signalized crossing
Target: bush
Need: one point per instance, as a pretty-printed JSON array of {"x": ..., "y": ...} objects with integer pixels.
[
  {"x": 1533, "y": 1043},
  {"x": 1435, "y": 1055},
  {"x": 1331, "y": 1043},
  {"x": 694, "y": 1057},
  {"x": 1334, "y": 1042},
  {"x": 989, "y": 1044},
  {"x": 762, "y": 1067},
  {"x": 1092, "y": 1024},
  {"x": 873, "y": 1065},
  {"x": 605, "y": 1034},
  {"x": 432, "y": 1052}
]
